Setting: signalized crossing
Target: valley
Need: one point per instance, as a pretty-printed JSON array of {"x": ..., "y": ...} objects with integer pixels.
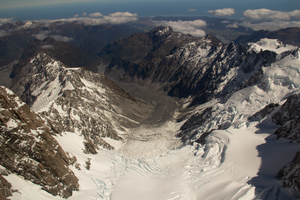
[{"x": 158, "y": 115}]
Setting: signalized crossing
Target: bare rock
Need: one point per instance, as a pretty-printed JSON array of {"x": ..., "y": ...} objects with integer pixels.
[{"x": 27, "y": 148}]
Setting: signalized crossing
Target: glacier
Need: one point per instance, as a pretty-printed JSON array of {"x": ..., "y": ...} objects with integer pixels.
[{"x": 143, "y": 158}]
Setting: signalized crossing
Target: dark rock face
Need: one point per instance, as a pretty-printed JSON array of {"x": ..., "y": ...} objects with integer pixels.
[
  {"x": 290, "y": 174},
  {"x": 69, "y": 55},
  {"x": 289, "y": 110},
  {"x": 289, "y": 118},
  {"x": 5, "y": 188},
  {"x": 140, "y": 54},
  {"x": 290, "y": 130},
  {"x": 27, "y": 148},
  {"x": 188, "y": 128},
  {"x": 13, "y": 44},
  {"x": 18, "y": 37},
  {"x": 183, "y": 65}
]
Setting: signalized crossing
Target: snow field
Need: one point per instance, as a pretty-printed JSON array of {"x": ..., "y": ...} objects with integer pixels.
[
  {"x": 219, "y": 169},
  {"x": 271, "y": 45}
]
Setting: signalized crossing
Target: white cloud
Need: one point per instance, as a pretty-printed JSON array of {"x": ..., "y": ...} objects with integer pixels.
[
  {"x": 260, "y": 14},
  {"x": 61, "y": 38},
  {"x": 222, "y": 12},
  {"x": 6, "y": 20},
  {"x": 47, "y": 46},
  {"x": 76, "y": 15},
  {"x": 28, "y": 24},
  {"x": 120, "y": 18},
  {"x": 114, "y": 18},
  {"x": 234, "y": 25},
  {"x": 4, "y": 33},
  {"x": 44, "y": 34},
  {"x": 122, "y": 14},
  {"x": 186, "y": 27},
  {"x": 84, "y": 14},
  {"x": 270, "y": 26},
  {"x": 41, "y": 35},
  {"x": 225, "y": 22},
  {"x": 191, "y": 10},
  {"x": 96, "y": 14}
]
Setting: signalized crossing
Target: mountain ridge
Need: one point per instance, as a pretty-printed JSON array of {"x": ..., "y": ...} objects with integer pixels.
[
  {"x": 28, "y": 148},
  {"x": 287, "y": 36},
  {"x": 220, "y": 93}
]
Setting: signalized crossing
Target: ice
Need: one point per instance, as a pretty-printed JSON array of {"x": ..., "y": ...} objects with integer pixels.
[{"x": 228, "y": 166}]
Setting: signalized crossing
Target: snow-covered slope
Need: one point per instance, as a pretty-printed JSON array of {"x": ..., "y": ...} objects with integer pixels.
[
  {"x": 80, "y": 101},
  {"x": 269, "y": 82},
  {"x": 253, "y": 109},
  {"x": 225, "y": 148}
]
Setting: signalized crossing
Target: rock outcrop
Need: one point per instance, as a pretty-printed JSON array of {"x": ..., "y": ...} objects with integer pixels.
[
  {"x": 289, "y": 118},
  {"x": 290, "y": 174},
  {"x": 78, "y": 100},
  {"x": 5, "y": 188},
  {"x": 27, "y": 148}
]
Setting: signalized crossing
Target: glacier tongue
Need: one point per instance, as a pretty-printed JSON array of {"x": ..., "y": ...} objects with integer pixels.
[{"x": 226, "y": 164}]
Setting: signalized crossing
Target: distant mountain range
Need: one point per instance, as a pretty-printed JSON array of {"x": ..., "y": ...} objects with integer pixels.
[
  {"x": 287, "y": 36},
  {"x": 91, "y": 38}
]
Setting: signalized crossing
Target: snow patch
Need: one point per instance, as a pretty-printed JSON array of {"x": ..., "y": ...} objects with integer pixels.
[
  {"x": 12, "y": 124},
  {"x": 8, "y": 91}
]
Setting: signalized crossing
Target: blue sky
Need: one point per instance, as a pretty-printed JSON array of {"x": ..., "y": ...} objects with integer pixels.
[
  {"x": 45, "y": 9},
  {"x": 283, "y": 5}
]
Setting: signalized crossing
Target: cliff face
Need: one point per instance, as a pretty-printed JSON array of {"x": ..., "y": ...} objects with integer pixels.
[
  {"x": 185, "y": 66},
  {"x": 288, "y": 118},
  {"x": 290, "y": 174},
  {"x": 27, "y": 148},
  {"x": 5, "y": 188}
]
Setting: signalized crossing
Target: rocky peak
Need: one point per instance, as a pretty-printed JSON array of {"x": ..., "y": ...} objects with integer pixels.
[
  {"x": 167, "y": 30},
  {"x": 69, "y": 55},
  {"x": 290, "y": 175},
  {"x": 29, "y": 149},
  {"x": 78, "y": 100},
  {"x": 213, "y": 39}
]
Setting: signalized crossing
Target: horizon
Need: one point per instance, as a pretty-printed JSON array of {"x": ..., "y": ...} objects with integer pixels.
[
  {"x": 231, "y": 15},
  {"x": 37, "y": 10}
]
